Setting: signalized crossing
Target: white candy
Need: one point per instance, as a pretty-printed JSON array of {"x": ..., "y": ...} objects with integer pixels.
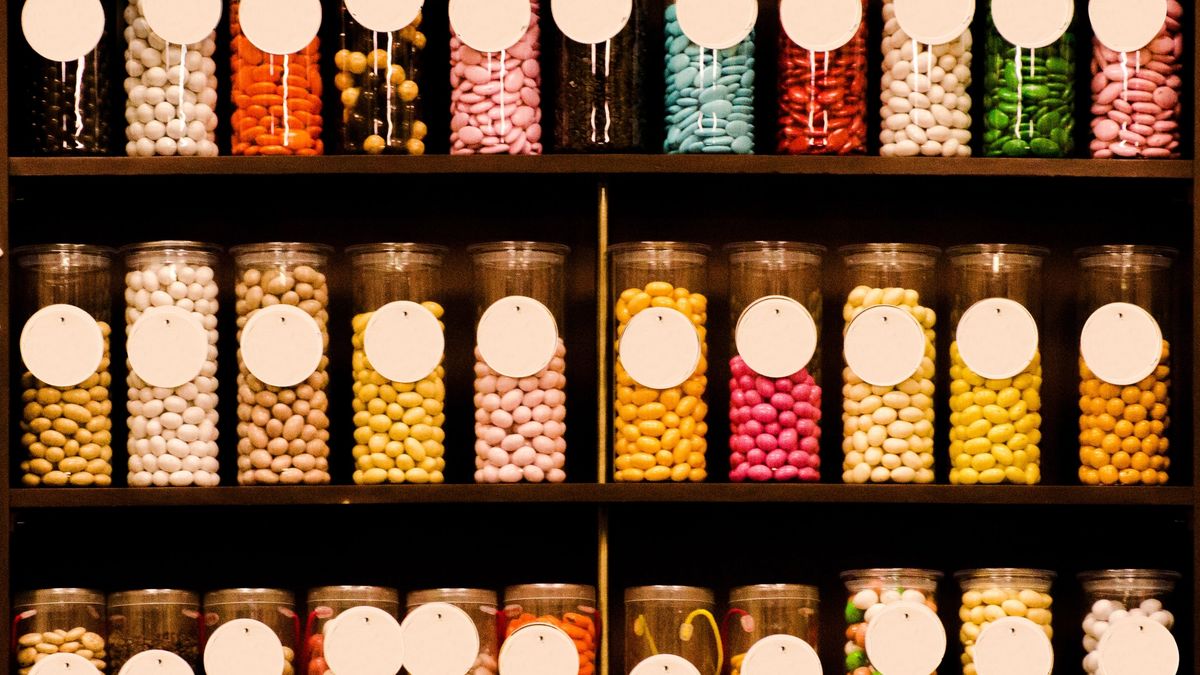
[{"x": 1106, "y": 613}]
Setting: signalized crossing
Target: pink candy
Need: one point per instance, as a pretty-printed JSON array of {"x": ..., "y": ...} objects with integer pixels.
[{"x": 775, "y": 432}]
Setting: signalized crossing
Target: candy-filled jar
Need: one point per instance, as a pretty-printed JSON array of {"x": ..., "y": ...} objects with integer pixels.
[
  {"x": 480, "y": 605},
  {"x": 887, "y": 384},
  {"x": 775, "y": 306},
  {"x": 154, "y": 618},
  {"x": 1137, "y": 598},
  {"x": 325, "y": 603},
  {"x": 672, "y": 622},
  {"x": 569, "y": 607},
  {"x": 274, "y": 608},
  {"x": 520, "y": 362},
  {"x": 1018, "y": 598},
  {"x": 661, "y": 360},
  {"x": 399, "y": 392},
  {"x": 53, "y": 620},
  {"x": 66, "y": 421},
  {"x": 995, "y": 364},
  {"x": 283, "y": 354},
  {"x": 771, "y": 616},
  {"x": 1125, "y": 365},
  {"x": 870, "y": 592}
]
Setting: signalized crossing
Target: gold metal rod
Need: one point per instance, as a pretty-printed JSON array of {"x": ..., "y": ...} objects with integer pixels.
[{"x": 602, "y": 329}]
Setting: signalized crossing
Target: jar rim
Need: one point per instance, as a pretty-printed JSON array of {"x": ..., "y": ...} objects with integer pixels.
[
  {"x": 25, "y": 255},
  {"x": 59, "y": 596},
  {"x": 170, "y": 245},
  {"x": 1005, "y": 574},
  {"x": 891, "y": 573},
  {"x": 485, "y": 248},
  {"x": 926, "y": 250},
  {"x": 1106, "y": 255},
  {"x": 774, "y": 592},
  {"x": 625, "y": 247},
  {"x": 550, "y": 592},
  {"x": 397, "y": 247},
  {"x": 747, "y": 251},
  {"x": 282, "y": 247},
  {"x": 452, "y": 596},
  {"x": 153, "y": 596},
  {"x": 354, "y": 594},
  {"x": 226, "y": 596},
  {"x": 664, "y": 592},
  {"x": 1136, "y": 578},
  {"x": 959, "y": 255}
]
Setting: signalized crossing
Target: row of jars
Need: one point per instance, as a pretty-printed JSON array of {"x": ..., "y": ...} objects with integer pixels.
[{"x": 171, "y": 86}]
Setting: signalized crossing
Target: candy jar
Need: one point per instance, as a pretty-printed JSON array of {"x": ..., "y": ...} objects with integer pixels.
[
  {"x": 822, "y": 78},
  {"x": 325, "y": 603},
  {"x": 1137, "y": 88},
  {"x": 283, "y": 346},
  {"x": 274, "y": 608},
  {"x": 495, "y": 78},
  {"x": 570, "y": 607},
  {"x": 154, "y": 618},
  {"x": 48, "y": 620},
  {"x": 171, "y": 343},
  {"x": 661, "y": 352},
  {"x": 378, "y": 66},
  {"x": 889, "y": 349},
  {"x": 772, "y": 616},
  {"x": 520, "y": 366},
  {"x": 1017, "y": 599},
  {"x": 66, "y": 410},
  {"x": 775, "y": 402},
  {"x": 709, "y": 75},
  {"x": 672, "y": 621},
  {"x": 995, "y": 364},
  {"x": 480, "y": 605},
  {"x": 1125, "y": 365},
  {"x": 870, "y": 593},
  {"x": 1137, "y": 598},
  {"x": 276, "y": 69},
  {"x": 926, "y": 74},
  {"x": 398, "y": 349}
]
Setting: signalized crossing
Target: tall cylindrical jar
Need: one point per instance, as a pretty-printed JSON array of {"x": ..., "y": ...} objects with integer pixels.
[
  {"x": 378, "y": 65},
  {"x": 480, "y": 605},
  {"x": 775, "y": 304},
  {"x": 46, "y": 619},
  {"x": 495, "y": 78},
  {"x": 672, "y": 620},
  {"x": 995, "y": 364},
  {"x": 772, "y": 617},
  {"x": 274, "y": 608},
  {"x": 1136, "y": 598},
  {"x": 277, "y": 86},
  {"x": 926, "y": 74},
  {"x": 154, "y": 618},
  {"x": 171, "y": 81},
  {"x": 1125, "y": 365},
  {"x": 569, "y": 607},
  {"x": 871, "y": 592},
  {"x": 399, "y": 344},
  {"x": 283, "y": 354},
  {"x": 887, "y": 407},
  {"x": 66, "y": 423},
  {"x": 661, "y": 361},
  {"x": 1017, "y": 599},
  {"x": 325, "y": 603},
  {"x": 520, "y": 361}
]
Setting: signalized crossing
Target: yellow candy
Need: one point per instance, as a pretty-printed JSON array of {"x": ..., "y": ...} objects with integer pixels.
[{"x": 994, "y": 419}]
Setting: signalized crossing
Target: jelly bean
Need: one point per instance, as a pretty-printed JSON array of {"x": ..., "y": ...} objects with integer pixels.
[
  {"x": 33, "y": 647},
  {"x": 380, "y": 96},
  {"x": 792, "y": 452},
  {"x": 823, "y": 98},
  {"x": 579, "y": 627},
  {"x": 868, "y": 597},
  {"x": 988, "y": 598},
  {"x": 995, "y": 425},
  {"x": 1029, "y": 98},
  {"x": 69, "y": 103},
  {"x": 1114, "y": 596}
]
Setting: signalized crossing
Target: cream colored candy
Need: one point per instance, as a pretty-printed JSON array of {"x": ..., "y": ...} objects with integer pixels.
[
  {"x": 33, "y": 647},
  {"x": 985, "y": 605}
]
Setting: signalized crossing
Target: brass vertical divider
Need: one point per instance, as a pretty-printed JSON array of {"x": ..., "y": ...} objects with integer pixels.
[{"x": 602, "y": 347}]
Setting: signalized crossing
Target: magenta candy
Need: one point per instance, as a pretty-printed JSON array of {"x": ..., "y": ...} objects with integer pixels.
[
  {"x": 782, "y": 402},
  {"x": 775, "y": 435},
  {"x": 764, "y": 412},
  {"x": 809, "y": 474},
  {"x": 776, "y": 459},
  {"x": 787, "y": 473},
  {"x": 738, "y": 473},
  {"x": 760, "y": 473},
  {"x": 752, "y": 397},
  {"x": 789, "y": 440},
  {"x": 756, "y": 456},
  {"x": 772, "y": 429},
  {"x": 752, "y": 427},
  {"x": 787, "y": 418}
]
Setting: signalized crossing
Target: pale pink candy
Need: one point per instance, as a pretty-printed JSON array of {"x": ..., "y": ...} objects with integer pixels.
[
  {"x": 558, "y": 413},
  {"x": 1124, "y": 150},
  {"x": 470, "y": 135},
  {"x": 512, "y": 442},
  {"x": 502, "y": 419},
  {"x": 555, "y": 476},
  {"x": 532, "y": 429},
  {"x": 489, "y": 474},
  {"x": 1141, "y": 129},
  {"x": 482, "y": 416},
  {"x": 498, "y": 457},
  {"x": 470, "y": 98},
  {"x": 505, "y": 384},
  {"x": 523, "y": 456},
  {"x": 477, "y": 74},
  {"x": 527, "y": 384},
  {"x": 533, "y": 399},
  {"x": 1160, "y": 140},
  {"x": 1156, "y": 153},
  {"x": 511, "y": 474},
  {"x": 543, "y": 444},
  {"x": 494, "y": 435},
  {"x": 459, "y": 121},
  {"x": 485, "y": 90},
  {"x": 1109, "y": 94},
  {"x": 523, "y": 117},
  {"x": 482, "y": 448},
  {"x": 534, "y": 473},
  {"x": 559, "y": 458},
  {"x": 1165, "y": 97},
  {"x": 534, "y": 133},
  {"x": 554, "y": 398},
  {"x": 553, "y": 429},
  {"x": 542, "y": 413},
  {"x": 491, "y": 402},
  {"x": 522, "y": 415},
  {"x": 531, "y": 97},
  {"x": 531, "y": 69},
  {"x": 494, "y": 149}
]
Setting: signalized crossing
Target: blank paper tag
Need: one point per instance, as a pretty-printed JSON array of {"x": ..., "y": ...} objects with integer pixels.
[
  {"x": 62, "y": 30},
  {"x": 64, "y": 664},
  {"x": 438, "y": 639},
  {"x": 1032, "y": 24},
  {"x": 282, "y": 345},
  {"x": 517, "y": 336},
  {"x": 1013, "y": 645},
  {"x": 156, "y": 662},
  {"x": 1121, "y": 343},
  {"x": 62, "y": 345},
  {"x": 776, "y": 336},
  {"x": 820, "y": 25},
  {"x": 781, "y": 655},
  {"x": 591, "y": 21},
  {"x": 167, "y": 346},
  {"x": 539, "y": 649},
  {"x": 716, "y": 24},
  {"x": 182, "y": 22},
  {"x": 243, "y": 647},
  {"x": 490, "y": 25},
  {"x": 665, "y": 664},
  {"x": 884, "y": 345},
  {"x": 659, "y": 348},
  {"x": 384, "y": 16},
  {"x": 906, "y": 638},
  {"x": 404, "y": 341},
  {"x": 364, "y": 641},
  {"x": 1138, "y": 645},
  {"x": 934, "y": 22},
  {"x": 997, "y": 338},
  {"x": 280, "y": 26},
  {"x": 1127, "y": 25}
]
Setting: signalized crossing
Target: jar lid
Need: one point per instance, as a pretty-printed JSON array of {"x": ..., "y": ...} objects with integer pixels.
[
  {"x": 273, "y": 596},
  {"x": 1122, "y": 580},
  {"x": 153, "y": 596},
  {"x": 59, "y": 596},
  {"x": 900, "y": 576},
  {"x": 768, "y": 252},
  {"x": 673, "y": 593},
  {"x": 353, "y": 594},
  {"x": 466, "y": 596},
  {"x": 64, "y": 256},
  {"x": 1126, "y": 255},
  {"x": 801, "y": 592},
  {"x": 982, "y": 254},
  {"x": 1007, "y": 576},
  {"x": 525, "y": 592}
]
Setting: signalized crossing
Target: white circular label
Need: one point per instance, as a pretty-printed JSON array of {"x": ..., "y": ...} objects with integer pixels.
[
  {"x": 156, "y": 662},
  {"x": 1032, "y": 24},
  {"x": 517, "y": 336},
  {"x": 1138, "y": 645},
  {"x": 934, "y": 22},
  {"x": 438, "y": 639},
  {"x": 906, "y": 638},
  {"x": 62, "y": 345},
  {"x": 664, "y": 664},
  {"x": 820, "y": 25},
  {"x": 243, "y": 647},
  {"x": 182, "y": 22},
  {"x": 404, "y": 341},
  {"x": 781, "y": 655},
  {"x": 539, "y": 649},
  {"x": 364, "y": 641},
  {"x": 659, "y": 348},
  {"x": 1121, "y": 343},
  {"x": 997, "y": 338},
  {"x": 62, "y": 30},
  {"x": 280, "y": 26},
  {"x": 716, "y": 24},
  {"x": 776, "y": 336},
  {"x": 64, "y": 664},
  {"x": 884, "y": 345},
  {"x": 1013, "y": 645},
  {"x": 591, "y": 21},
  {"x": 282, "y": 345},
  {"x": 167, "y": 346},
  {"x": 490, "y": 25},
  {"x": 1127, "y": 25},
  {"x": 384, "y": 16}
]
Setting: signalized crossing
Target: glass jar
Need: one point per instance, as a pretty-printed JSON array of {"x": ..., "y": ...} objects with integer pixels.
[
  {"x": 1115, "y": 595},
  {"x": 480, "y": 605},
  {"x": 672, "y": 620},
  {"x": 398, "y": 425},
  {"x": 283, "y": 425},
  {"x": 325, "y": 603},
  {"x": 888, "y": 417},
  {"x": 154, "y": 618},
  {"x": 274, "y": 608},
  {"x": 66, "y": 300},
  {"x": 995, "y": 593},
  {"x": 775, "y": 415},
  {"x": 276, "y": 88},
  {"x": 995, "y": 384},
  {"x": 936, "y": 76},
  {"x": 170, "y": 90},
  {"x": 1124, "y": 419},
  {"x": 520, "y": 366},
  {"x": 167, "y": 280},
  {"x": 570, "y": 607},
  {"x": 47, "y": 620},
  {"x": 869, "y": 591},
  {"x": 770, "y": 609}
]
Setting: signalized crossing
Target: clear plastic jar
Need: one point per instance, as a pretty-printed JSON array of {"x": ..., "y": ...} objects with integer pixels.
[
  {"x": 659, "y": 425},
  {"x": 770, "y": 609},
  {"x": 880, "y": 587},
  {"x": 520, "y": 366},
  {"x": 570, "y": 607},
  {"x": 66, "y": 424},
  {"x": 272, "y": 607},
  {"x": 1111, "y": 596},
  {"x": 45, "y": 621},
  {"x": 1124, "y": 419},
  {"x": 888, "y": 424},
  {"x": 675, "y": 620},
  {"x": 283, "y": 427},
  {"x": 68, "y": 91},
  {"x": 995, "y": 593},
  {"x": 480, "y": 605},
  {"x": 995, "y": 406},
  {"x": 775, "y": 416},
  {"x": 398, "y": 426},
  {"x": 154, "y": 618},
  {"x": 325, "y": 603},
  {"x": 167, "y": 280}
]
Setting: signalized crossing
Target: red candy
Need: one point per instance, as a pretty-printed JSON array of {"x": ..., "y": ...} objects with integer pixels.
[
  {"x": 775, "y": 436},
  {"x": 823, "y": 98}
]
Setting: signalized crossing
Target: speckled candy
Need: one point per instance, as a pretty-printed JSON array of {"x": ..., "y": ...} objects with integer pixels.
[
  {"x": 775, "y": 424},
  {"x": 868, "y": 597}
]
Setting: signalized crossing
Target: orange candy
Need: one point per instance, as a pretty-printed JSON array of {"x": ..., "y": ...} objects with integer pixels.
[{"x": 579, "y": 627}]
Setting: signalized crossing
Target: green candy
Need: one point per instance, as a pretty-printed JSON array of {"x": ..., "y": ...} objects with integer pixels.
[
  {"x": 1016, "y": 148},
  {"x": 856, "y": 659},
  {"x": 1044, "y": 147},
  {"x": 997, "y": 119},
  {"x": 853, "y": 614}
]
